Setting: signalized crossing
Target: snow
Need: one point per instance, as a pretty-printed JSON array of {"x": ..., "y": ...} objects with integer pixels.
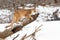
[
  {"x": 28, "y": 29},
  {"x": 27, "y": 6},
  {"x": 49, "y": 31},
  {"x": 2, "y": 27},
  {"x": 47, "y": 11},
  {"x": 5, "y": 15},
  {"x": 4, "y": 19},
  {"x": 5, "y": 12}
]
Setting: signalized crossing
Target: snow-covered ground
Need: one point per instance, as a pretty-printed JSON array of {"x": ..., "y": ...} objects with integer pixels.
[
  {"x": 47, "y": 11},
  {"x": 49, "y": 31},
  {"x": 5, "y": 16}
]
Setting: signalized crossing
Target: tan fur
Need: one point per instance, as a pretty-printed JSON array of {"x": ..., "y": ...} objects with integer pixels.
[
  {"x": 18, "y": 14},
  {"x": 22, "y": 13}
]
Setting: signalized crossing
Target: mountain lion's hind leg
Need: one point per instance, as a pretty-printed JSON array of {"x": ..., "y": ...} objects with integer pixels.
[{"x": 30, "y": 17}]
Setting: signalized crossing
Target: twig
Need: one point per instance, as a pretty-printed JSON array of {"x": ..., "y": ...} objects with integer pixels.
[
  {"x": 23, "y": 37},
  {"x": 32, "y": 35},
  {"x": 15, "y": 37}
]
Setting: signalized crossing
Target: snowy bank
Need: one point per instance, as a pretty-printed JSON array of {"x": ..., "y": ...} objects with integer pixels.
[
  {"x": 50, "y": 30},
  {"x": 5, "y": 16}
]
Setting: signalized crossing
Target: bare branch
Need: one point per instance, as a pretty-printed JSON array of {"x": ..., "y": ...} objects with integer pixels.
[
  {"x": 15, "y": 37},
  {"x": 23, "y": 37},
  {"x": 32, "y": 35}
]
